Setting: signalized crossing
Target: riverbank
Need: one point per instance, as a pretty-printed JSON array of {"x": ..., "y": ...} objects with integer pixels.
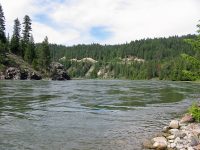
[{"x": 180, "y": 134}]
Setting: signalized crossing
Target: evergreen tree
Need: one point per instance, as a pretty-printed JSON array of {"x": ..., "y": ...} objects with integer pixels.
[
  {"x": 2, "y": 26},
  {"x": 26, "y": 33},
  {"x": 44, "y": 58},
  {"x": 194, "y": 72},
  {"x": 15, "y": 40},
  {"x": 30, "y": 51}
]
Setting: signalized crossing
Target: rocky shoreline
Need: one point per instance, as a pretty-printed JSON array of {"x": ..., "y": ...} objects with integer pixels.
[
  {"x": 181, "y": 134},
  {"x": 57, "y": 72}
]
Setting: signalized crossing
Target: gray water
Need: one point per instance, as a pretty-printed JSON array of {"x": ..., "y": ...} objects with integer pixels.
[{"x": 88, "y": 114}]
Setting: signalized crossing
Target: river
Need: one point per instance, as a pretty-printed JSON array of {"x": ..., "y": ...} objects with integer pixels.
[{"x": 88, "y": 114}]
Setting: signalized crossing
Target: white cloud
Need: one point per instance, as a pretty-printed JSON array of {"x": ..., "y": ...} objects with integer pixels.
[{"x": 127, "y": 19}]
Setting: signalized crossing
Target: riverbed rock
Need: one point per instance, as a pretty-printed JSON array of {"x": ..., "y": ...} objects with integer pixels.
[
  {"x": 187, "y": 118},
  {"x": 160, "y": 143},
  {"x": 174, "y": 124},
  {"x": 147, "y": 144}
]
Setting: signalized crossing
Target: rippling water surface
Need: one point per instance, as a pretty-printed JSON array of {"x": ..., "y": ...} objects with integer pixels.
[{"x": 88, "y": 114}]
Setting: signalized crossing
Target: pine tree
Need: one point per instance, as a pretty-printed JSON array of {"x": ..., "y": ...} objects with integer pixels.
[
  {"x": 15, "y": 40},
  {"x": 2, "y": 26},
  {"x": 44, "y": 57},
  {"x": 195, "y": 61},
  {"x": 26, "y": 33},
  {"x": 30, "y": 51}
]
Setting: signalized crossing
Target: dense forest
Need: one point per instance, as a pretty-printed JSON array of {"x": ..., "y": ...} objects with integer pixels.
[
  {"x": 22, "y": 45},
  {"x": 172, "y": 58},
  {"x": 141, "y": 59}
]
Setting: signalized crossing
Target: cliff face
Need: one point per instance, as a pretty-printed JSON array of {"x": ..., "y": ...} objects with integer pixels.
[{"x": 15, "y": 68}]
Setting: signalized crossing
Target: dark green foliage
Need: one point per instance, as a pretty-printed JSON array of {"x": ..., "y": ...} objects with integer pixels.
[
  {"x": 15, "y": 40},
  {"x": 194, "y": 73},
  {"x": 30, "y": 51},
  {"x": 195, "y": 111},
  {"x": 44, "y": 59},
  {"x": 2, "y": 26},
  {"x": 26, "y": 34},
  {"x": 161, "y": 55}
]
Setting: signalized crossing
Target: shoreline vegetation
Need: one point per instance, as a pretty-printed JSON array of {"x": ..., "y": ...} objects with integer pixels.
[{"x": 180, "y": 134}]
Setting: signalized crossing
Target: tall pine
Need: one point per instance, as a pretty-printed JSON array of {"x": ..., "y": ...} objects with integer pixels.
[
  {"x": 44, "y": 58},
  {"x": 2, "y": 26},
  {"x": 26, "y": 33},
  {"x": 30, "y": 51},
  {"x": 15, "y": 40}
]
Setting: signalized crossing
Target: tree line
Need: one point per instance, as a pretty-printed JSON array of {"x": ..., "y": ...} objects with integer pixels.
[{"x": 22, "y": 44}]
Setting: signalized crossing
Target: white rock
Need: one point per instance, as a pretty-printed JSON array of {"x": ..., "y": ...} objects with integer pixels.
[
  {"x": 171, "y": 137},
  {"x": 160, "y": 142},
  {"x": 174, "y": 124},
  {"x": 173, "y": 131},
  {"x": 190, "y": 148},
  {"x": 172, "y": 145},
  {"x": 177, "y": 140}
]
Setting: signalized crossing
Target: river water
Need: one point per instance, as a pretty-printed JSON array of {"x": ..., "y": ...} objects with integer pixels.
[{"x": 88, "y": 114}]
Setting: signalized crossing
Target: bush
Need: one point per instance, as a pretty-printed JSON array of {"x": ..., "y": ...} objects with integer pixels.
[{"x": 195, "y": 111}]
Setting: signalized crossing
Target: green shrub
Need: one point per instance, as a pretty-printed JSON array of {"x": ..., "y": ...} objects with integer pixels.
[{"x": 195, "y": 111}]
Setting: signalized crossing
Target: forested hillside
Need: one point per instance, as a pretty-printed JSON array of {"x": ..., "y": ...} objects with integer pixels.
[{"x": 140, "y": 59}]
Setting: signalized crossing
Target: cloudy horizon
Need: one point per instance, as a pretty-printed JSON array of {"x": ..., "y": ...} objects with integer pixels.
[{"x": 71, "y": 22}]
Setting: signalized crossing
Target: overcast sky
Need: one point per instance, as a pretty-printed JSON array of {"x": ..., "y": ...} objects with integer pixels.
[{"x": 72, "y": 22}]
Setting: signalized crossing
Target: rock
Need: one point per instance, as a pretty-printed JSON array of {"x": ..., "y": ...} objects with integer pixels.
[
  {"x": 165, "y": 129},
  {"x": 190, "y": 148},
  {"x": 172, "y": 145},
  {"x": 187, "y": 118},
  {"x": 35, "y": 76},
  {"x": 171, "y": 137},
  {"x": 194, "y": 141},
  {"x": 160, "y": 143},
  {"x": 12, "y": 73},
  {"x": 196, "y": 147},
  {"x": 174, "y": 131},
  {"x": 174, "y": 124},
  {"x": 147, "y": 144},
  {"x": 24, "y": 75},
  {"x": 58, "y": 72}
]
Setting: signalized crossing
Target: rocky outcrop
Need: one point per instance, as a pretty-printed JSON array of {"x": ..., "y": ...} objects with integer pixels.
[
  {"x": 58, "y": 72},
  {"x": 179, "y": 135},
  {"x": 13, "y": 73}
]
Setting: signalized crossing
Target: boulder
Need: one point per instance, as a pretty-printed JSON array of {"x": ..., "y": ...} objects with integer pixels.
[
  {"x": 187, "y": 118},
  {"x": 174, "y": 124},
  {"x": 23, "y": 75},
  {"x": 12, "y": 73},
  {"x": 160, "y": 143},
  {"x": 35, "y": 76},
  {"x": 58, "y": 72},
  {"x": 147, "y": 144}
]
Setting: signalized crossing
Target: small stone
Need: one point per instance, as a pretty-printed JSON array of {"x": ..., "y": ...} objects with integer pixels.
[
  {"x": 194, "y": 141},
  {"x": 174, "y": 124},
  {"x": 147, "y": 144},
  {"x": 172, "y": 145},
  {"x": 187, "y": 118},
  {"x": 190, "y": 148},
  {"x": 160, "y": 143},
  {"x": 171, "y": 141},
  {"x": 173, "y": 131},
  {"x": 171, "y": 137},
  {"x": 165, "y": 129},
  {"x": 177, "y": 140}
]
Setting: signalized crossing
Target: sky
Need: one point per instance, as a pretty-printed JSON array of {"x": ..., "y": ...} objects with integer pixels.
[{"x": 72, "y": 22}]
